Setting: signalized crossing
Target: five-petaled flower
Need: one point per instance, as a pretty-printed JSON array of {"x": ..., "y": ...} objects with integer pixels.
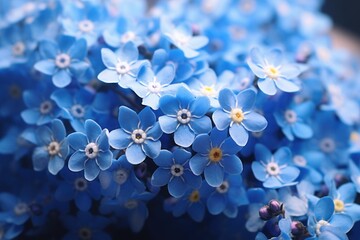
[
  {"x": 139, "y": 134},
  {"x": 92, "y": 150},
  {"x": 272, "y": 72},
  {"x": 236, "y": 113}
]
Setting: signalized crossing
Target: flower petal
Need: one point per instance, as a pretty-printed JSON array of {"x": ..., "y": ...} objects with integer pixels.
[
  {"x": 119, "y": 139},
  {"x": 135, "y": 154},
  {"x": 91, "y": 170},
  {"x": 160, "y": 177},
  {"x": 61, "y": 79},
  {"x": 177, "y": 187},
  {"x": 214, "y": 174},
  {"x": 183, "y": 136},
  {"x": 254, "y": 122},
  {"x": 239, "y": 134}
]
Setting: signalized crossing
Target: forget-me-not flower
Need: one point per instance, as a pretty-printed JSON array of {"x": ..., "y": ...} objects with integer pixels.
[
  {"x": 185, "y": 116},
  {"x": 236, "y": 113},
  {"x": 122, "y": 66},
  {"x": 175, "y": 172},
  {"x": 138, "y": 134},
  {"x": 275, "y": 171},
  {"x": 63, "y": 60},
  {"x": 92, "y": 150},
  {"x": 215, "y": 154},
  {"x": 151, "y": 87},
  {"x": 53, "y": 148},
  {"x": 272, "y": 72}
]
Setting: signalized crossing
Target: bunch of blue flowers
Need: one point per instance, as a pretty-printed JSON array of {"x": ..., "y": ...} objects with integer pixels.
[{"x": 232, "y": 119}]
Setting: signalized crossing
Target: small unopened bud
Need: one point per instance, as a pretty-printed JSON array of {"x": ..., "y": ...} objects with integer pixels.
[
  {"x": 276, "y": 207},
  {"x": 297, "y": 228},
  {"x": 265, "y": 213}
]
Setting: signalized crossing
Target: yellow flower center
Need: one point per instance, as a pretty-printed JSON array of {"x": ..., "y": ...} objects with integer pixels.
[
  {"x": 339, "y": 205},
  {"x": 272, "y": 72},
  {"x": 215, "y": 154},
  {"x": 354, "y": 137},
  {"x": 194, "y": 196},
  {"x": 208, "y": 91},
  {"x": 237, "y": 115}
]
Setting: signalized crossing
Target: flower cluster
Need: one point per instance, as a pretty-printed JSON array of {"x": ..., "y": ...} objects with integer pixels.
[{"x": 117, "y": 114}]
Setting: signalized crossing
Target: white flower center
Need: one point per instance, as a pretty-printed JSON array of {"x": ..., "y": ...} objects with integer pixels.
[
  {"x": 320, "y": 224},
  {"x": 62, "y": 60},
  {"x": 327, "y": 145},
  {"x": 20, "y": 209},
  {"x": 120, "y": 176},
  {"x": 86, "y": 26},
  {"x": 183, "y": 116},
  {"x": 180, "y": 38},
  {"x": 138, "y": 136},
  {"x": 91, "y": 150},
  {"x": 18, "y": 49},
  {"x": 80, "y": 184},
  {"x": 290, "y": 116},
  {"x": 177, "y": 170},
  {"x": 299, "y": 160},
  {"x": 77, "y": 111},
  {"x": 131, "y": 204},
  {"x": 53, "y": 148},
  {"x": 122, "y": 67},
  {"x": 273, "y": 169},
  {"x": 154, "y": 87},
  {"x": 223, "y": 188},
  {"x": 46, "y": 107},
  {"x": 237, "y": 115}
]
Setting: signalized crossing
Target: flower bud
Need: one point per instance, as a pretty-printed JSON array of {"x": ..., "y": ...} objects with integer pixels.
[
  {"x": 265, "y": 213},
  {"x": 297, "y": 228},
  {"x": 276, "y": 207}
]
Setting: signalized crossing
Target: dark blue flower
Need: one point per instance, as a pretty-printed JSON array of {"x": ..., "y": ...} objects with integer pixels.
[
  {"x": 293, "y": 120},
  {"x": 139, "y": 134},
  {"x": 63, "y": 60},
  {"x": 120, "y": 179},
  {"x": 215, "y": 155},
  {"x": 75, "y": 187},
  {"x": 275, "y": 171},
  {"x": 174, "y": 172},
  {"x": 53, "y": 148},
  {"x": 237, "y": 114},
  {"x": 86, "y": 226},
  {"x": 41, "y": 109},
  {"x": 185, "y": 116},
  {"x": 13, "y": 210},
  {"x": 92, "y": 150}
]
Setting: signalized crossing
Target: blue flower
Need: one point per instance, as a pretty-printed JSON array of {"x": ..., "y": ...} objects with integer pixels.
[
  {"x": 151, "y": 87},
  {"x": 73, "y": 186},
  {"x": 175, "y": 172},
  {"x": 86, "y": 226},
  {"x": 92, "y": 150},
  {"x": 344, "y": 198},
  {"x": 132, "y": 208},
  {"x": 76, "y": 105},
  {"x": 273, "y": 72},
  {"x": 275, "y": 171},
  {"x": 13, "y": 210},
  {"x": 53, "y": 148},
  {"x": 122, "y": 66},
  {"x": 139, "y": 134},
  {"x": 193, "y": 203},
  {"x": 64, "y": 60},
  {"x": 120, "y": 179},
  {"x": 324, "y": 224},
  {"x": 216, "y": 154},
  {"x": 293, "y": 120},
  {"x": 227, "y": 197},
  {"x": 185, "y": 116},
  {"x": 181, "y": 37},
  {"x": 10, "y": 231},
  {"x": 237, "y": 115},
  {"x": 41, "y": 109}
]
